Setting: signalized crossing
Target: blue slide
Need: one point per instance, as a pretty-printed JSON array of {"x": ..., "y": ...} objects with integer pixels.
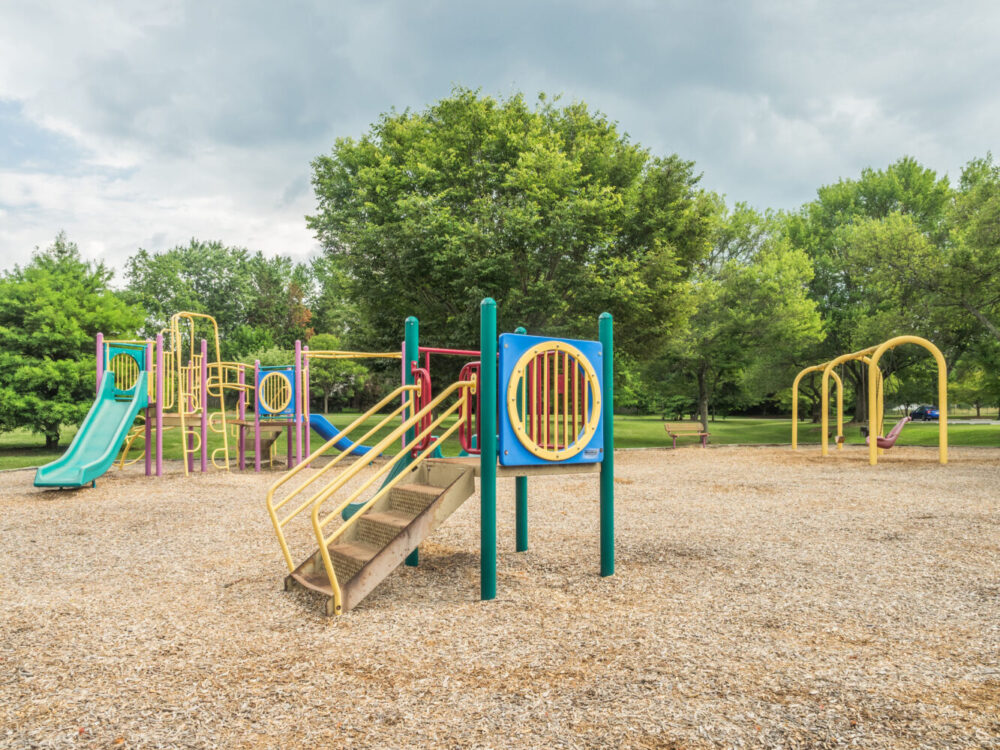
[
  {"x": 328, "y": 432},
  {"x": 99, "y": 438}
]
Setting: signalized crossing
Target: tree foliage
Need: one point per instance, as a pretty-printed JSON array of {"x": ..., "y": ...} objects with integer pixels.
[
  {"x": 339, "y": 379},
  {"x": 50, "y": 312},
  {"x": 258, "y": 302},
  {"x": 550, "y": 210},
  {"x": 752, "y": 316}
]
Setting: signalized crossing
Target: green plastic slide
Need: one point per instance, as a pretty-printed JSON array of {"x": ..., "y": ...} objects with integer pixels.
[{"x": 99, "y": 438}]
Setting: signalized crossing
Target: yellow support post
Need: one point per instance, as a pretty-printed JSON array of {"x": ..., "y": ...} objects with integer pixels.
[
  {"x": 825, "y": 397},
  {"x": 872, "y": 396}
]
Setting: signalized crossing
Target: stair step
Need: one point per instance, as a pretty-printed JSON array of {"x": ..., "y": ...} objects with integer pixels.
[
  {"x": 350, "y": 557},
  {"x": 412, "y": 498},
  {"x": 381, "y": 527}
]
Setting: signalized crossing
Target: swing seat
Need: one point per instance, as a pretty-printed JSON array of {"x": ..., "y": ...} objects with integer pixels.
[{"x": 890, "y": 440}]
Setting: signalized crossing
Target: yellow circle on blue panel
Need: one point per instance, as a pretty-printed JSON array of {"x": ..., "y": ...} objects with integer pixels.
[
  {"x": 548, "y": 356},
  {"x": 275, "y": 392}
]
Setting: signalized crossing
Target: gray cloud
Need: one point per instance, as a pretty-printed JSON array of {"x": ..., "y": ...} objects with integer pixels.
[{"x": 180, "y": 119}]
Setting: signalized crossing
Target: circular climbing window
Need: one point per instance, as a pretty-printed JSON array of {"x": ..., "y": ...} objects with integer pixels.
[
  {"x": 126, "y": 371},
  {"x": 554, "y": 400},
  {"x": 275, "y": 392}
]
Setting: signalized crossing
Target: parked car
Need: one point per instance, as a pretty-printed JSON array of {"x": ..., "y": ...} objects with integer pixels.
[{"x": 925, "y": 413}]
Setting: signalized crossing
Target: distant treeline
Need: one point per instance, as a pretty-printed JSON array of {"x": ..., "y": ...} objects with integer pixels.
[{"x": 553, "y": 211}]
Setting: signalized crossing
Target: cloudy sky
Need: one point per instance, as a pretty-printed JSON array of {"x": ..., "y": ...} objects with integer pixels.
[{"x": 143, "y": 124}]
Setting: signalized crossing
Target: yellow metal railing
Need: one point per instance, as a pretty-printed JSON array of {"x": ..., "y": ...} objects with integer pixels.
[
  {"x": 169, "y": 380},
  {"x": 316, "y": 501},
  {"x": 353, "y": 470},
  {"x": 223, "y": 376},
  {"x": 189, "y": 395},
  {"x": 409, "y": 393}
]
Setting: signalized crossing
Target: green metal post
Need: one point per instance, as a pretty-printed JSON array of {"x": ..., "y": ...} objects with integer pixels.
[
  {"x": 606, "y": 328},
  {"x": 520, "y": 499},
  {"x": 488, "y": 450},
  {"x": 411, "y": 354}
]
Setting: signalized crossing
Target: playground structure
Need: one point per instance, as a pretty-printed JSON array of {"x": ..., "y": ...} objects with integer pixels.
[
  {"x": 531, "y": 405},
  {"x": 870, "y": 357},
  {"x": 178, "y": 381}
]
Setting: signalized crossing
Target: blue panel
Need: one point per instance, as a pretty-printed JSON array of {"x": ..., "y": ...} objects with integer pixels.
[
  {"x": 512, "y": 452},
  {"x": 289, "y": 411}
]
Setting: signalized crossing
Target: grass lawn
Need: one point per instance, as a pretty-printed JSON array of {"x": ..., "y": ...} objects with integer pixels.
[
  {"x": 20, "y": 448},
  {"x": 637, "y": 432}
]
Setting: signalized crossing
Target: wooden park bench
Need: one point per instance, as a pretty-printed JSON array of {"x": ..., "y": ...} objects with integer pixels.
[{"x": 676, "y": 430}]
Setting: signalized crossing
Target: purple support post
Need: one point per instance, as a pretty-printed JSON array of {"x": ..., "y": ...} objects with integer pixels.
[
  {"x": 290, "y": 429},
  {"x": 149, "y": 427},
  {"x": 256, "y": 416},
  {"x": 298, "y": 406},
  {"x": 159, "y": 404},
  {"x": 305, "y": 398},
  {"x": 204, "y": 405},
  {"x": 189, "y": 404},
  {"x": 241, "y": 414},
  {"x": 100, "y": 363}
]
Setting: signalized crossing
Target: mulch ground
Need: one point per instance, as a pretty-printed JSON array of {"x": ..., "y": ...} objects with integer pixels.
[{"x": 763, "y": 598}]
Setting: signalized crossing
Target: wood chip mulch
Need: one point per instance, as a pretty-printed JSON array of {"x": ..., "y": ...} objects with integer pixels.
[{"x": 763, "y": 598}]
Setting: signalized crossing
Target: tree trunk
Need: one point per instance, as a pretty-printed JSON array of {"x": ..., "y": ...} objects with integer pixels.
[
  {"x": 977, "y": 410},
  {"x": 703, "y": 398},
  {"x": 326, "y": 402},
  {"x": 51, "y": 440},
  {"x": 860, "y": 392}
]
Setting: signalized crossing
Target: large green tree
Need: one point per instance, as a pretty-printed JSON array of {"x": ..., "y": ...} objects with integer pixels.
[
  {"x": 257, "y": 301},
  {"x": 849, "y": 226},
  {"x": 548, "y": 209},
  {"x": 50, "y": 311},
  {"x": 752, "y": 316},
  {"x": 973, "y": 280}
]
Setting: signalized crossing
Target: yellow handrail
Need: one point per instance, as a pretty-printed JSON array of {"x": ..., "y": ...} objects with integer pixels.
[
  {"x": 136, "y": 432},
  {"x": 273, "y": 507},
  {"x": 323, "y": 495},
  {"x": 219, "y": 381},
  {"x": 338, "y": 354}
]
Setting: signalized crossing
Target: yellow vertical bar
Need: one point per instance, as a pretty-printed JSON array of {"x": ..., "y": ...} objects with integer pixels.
[
  {"x": 840, "y": 411},
  {"x": 524, "y": 397},
  {"x": 533, "y": 399},
  {"x": 576, "y": 398},
  {"x": 942, "y": 406},
  {"x": 565, "y": 387},
  {"x": 824, "y": 412}
]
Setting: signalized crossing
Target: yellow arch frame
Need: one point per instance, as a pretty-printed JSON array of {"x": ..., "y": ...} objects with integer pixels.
[
  {"x": 942, "y": 395},
  {"x": 795, "y": 402},
  {"x": 825, "y": 395}
]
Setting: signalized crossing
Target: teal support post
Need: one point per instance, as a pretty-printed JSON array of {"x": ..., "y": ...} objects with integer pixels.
[
  {"x": 606, "y": 328},
  {"x": 411, "y": 354},
  {"x": 488, "y": 450},
  {"x": 520, "y": 498}
]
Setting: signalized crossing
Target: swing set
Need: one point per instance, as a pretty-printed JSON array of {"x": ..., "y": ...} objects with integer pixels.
[{"x": 875, "y": 387}]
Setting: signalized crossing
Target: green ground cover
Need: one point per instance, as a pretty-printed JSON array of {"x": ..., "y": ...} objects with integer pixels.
[{"x": 20, "y": 448}]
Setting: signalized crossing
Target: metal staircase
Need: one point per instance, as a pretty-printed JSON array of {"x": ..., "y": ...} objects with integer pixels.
[
  {"x": 415, "y": 498},
  {"x": 386, "y": 533}
]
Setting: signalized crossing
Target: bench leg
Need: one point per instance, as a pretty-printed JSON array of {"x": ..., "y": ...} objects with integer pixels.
[{"x": 675, "y": 443}]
